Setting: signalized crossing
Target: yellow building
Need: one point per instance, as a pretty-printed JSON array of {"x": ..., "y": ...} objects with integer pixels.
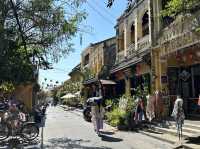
[
  {"x": 97, "y": 60},
  {"x": 176, "y": 58},
  {"x": 76, "y": 74},
  {"x": 133, "y": 33}
]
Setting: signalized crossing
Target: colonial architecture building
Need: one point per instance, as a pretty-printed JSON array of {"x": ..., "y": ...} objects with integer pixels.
[
  {"x": 97, "y": 60},
  {"x": 176, "y": 57},
  {"x": 76, "y": 75},
  {"x": 161, "y": 51},
  {"x": 134, "y": 39}
]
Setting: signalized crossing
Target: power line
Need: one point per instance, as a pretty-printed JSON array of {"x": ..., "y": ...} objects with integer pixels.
[
  {"x": 99, "y": 13},
  {"x": 108, "y": 12}
]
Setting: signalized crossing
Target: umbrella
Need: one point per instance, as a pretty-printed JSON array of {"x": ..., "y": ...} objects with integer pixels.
[
  {"x": 95, "y": 100},
  {"x": 67, "y": 96},
  {"x": 78, "y": 93}
]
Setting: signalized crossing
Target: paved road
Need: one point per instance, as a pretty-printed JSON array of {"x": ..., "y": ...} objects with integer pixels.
[{"x": 68, "y": 130}]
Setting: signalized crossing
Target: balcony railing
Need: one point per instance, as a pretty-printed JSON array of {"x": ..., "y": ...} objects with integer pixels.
[
  {"x": 131, "y": 50},
  {"x": 120, "y": 57},
  {"x": 180, "y": 27},
  {"x": 143, "y": 44}
]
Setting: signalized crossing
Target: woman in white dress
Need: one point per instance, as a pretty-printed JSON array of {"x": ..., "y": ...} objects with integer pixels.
[{"x": 97, "y": 112}]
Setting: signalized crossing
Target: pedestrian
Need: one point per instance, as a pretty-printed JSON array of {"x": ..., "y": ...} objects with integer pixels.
[
  {"x": 97, "y": 112},
  {"x": 139, "y": 111},
  {"x": 178, "y": 115}
]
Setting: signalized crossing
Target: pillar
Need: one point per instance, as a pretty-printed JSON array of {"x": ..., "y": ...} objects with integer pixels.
[
  {"x": 128, "y": 86},
  {"x": 136, "y": 32},
  {"x": 125, "y": 37}
]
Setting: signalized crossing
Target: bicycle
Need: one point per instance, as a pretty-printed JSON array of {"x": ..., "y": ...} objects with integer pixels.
[{"x": 15, "y": 124}]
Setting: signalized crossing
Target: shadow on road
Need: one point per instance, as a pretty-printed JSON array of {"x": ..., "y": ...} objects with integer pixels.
[
  {"x": 107, "y": 133},
  {"x": 153, "y": 131},
  {"x": 193, "y": 140},
  {"x": 110, "y": 139},
  {"x": 66, "y": 143},
  {"x": 18, "y": 143}
]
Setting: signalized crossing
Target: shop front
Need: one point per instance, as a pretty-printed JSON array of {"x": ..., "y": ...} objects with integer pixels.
[
  {"x": 179, "y": 74},
  {"x": 99, "y": 87},
  {"x": 132, "y": 77}
]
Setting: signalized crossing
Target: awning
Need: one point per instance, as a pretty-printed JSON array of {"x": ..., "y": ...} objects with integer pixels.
[
  {"x": 90, "y": 81},
  {"x": 129, "y": 62},
  {"x": 103, "y": 82},
  {"x": 107, "y": 82}
]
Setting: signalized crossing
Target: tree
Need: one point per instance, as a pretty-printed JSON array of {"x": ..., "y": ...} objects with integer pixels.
[
  {"x": 35, "y": 32},
  {"x": 176, "y": 7},
  {"x": 186, "y": 8}
]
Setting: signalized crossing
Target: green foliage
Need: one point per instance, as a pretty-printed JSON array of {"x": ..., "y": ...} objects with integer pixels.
[
  {"x": 121, "y": 112},
  {"x": 35, "y": 30},
  {"x": 176, "y": 7},
  {"x": 87, "y": 74},
  {"x": 116, "y": 117},
  {"x": 6, "y": 87},
  {"x": 68, "y": 87}
]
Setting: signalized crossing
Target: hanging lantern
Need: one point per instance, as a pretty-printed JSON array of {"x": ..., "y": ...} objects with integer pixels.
[
  {"x": 178, "y": 57},
  {"x": 190, "y": 56}
]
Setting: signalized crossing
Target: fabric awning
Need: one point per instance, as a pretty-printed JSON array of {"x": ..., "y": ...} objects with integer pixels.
[
  {"x": 107, "y": 82},
  {"x": 103, "y": 82}
]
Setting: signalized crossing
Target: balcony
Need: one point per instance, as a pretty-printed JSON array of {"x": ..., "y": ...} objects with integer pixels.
[
  {"x": 143, "y": 44},
  {"x": 131, "y": 50},
  {"x": 179, "y": 33},
  {"x": 120, "y": 57}
]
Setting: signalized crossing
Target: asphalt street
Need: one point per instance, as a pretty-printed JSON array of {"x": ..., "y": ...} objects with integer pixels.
[{"x": 66, "y": 129}]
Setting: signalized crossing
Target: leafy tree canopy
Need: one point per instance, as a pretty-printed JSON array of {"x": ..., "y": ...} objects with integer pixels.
[
  {"x": 35, "y": 32},
  {"x": 176, "y": 7}
]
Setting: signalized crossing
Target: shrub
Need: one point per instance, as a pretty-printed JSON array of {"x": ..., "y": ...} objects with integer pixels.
[
  {"x": 116, "y": 117},
  {"x": 122, "y": 114}
]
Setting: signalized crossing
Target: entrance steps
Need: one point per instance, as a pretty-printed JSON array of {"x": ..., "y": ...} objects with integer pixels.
[{"x": 167, "y": 132}]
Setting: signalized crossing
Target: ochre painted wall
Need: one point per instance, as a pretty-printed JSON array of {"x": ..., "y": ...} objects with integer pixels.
[{"x": 24, "y": 93}]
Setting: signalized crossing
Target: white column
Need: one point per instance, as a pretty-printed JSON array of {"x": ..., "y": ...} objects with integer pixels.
[
  {"x": 125, "y": 37},
  {"x": 136, "y": 31}
]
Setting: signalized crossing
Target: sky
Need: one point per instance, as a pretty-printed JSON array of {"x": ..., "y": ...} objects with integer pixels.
[{"x": 100, "y": 23}]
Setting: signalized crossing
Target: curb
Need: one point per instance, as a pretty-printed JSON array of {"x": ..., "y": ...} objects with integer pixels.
[
  {"x": 184, "y": 145},
  {"x": 158, "y": 138}
]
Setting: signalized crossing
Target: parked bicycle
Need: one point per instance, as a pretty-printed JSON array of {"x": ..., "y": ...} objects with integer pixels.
[{"x": 15, "y": 123}]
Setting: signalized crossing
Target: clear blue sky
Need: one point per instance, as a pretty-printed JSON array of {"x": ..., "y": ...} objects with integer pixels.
[{"x": 102, "y": 21}]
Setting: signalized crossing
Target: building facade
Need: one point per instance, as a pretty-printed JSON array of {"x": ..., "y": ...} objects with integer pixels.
[
  {"x": 162, "y": 51},
  {"x": 134, "y": 40},
  {"x": 97, "y": 60},
  {"x": 176, "y": 58}
]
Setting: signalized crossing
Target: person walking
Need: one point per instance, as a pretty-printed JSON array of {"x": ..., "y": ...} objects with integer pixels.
[
  {"x": 97, "y": 112},
  {"x": 139, "y": 111},
  {"x": 178, "y": 115}
]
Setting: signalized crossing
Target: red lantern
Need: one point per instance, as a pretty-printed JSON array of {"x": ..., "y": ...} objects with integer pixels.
[
  {"x": 190, "y": 56},
  {"x": 178, "y": 57}
]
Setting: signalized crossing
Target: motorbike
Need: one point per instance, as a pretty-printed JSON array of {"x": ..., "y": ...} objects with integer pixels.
[
  {"x": 87, "y": 109},
  {"x": 87, "y": 113}
]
